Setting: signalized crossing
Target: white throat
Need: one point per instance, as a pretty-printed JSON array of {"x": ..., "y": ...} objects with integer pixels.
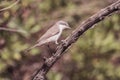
[{"x": 61, "y": 27}]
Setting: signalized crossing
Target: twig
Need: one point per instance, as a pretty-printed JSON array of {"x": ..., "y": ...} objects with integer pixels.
[
  {"x": 3, "y": 9},
  {"x": 41, "y": 73},
  {"x": 11, "y": 30}
]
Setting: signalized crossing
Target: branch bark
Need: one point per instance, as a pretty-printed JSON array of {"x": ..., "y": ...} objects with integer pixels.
[{"x": 41, "y": 73}]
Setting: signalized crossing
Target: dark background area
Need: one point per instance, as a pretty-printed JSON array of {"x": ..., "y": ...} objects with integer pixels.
[{"x": 95, "y": 56}]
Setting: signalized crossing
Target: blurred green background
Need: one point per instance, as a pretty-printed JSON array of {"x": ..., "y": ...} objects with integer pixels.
[{"x": 95, "y": 56}]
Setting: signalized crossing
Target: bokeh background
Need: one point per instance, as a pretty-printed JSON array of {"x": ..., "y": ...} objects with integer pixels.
[{"x": 95, "y": 56}]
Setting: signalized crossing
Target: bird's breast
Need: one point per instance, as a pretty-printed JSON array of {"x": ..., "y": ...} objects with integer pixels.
[{"x": 54, "y": 38}]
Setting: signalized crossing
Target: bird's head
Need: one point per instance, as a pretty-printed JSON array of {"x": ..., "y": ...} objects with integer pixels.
[{"x": 63, "y": 25}]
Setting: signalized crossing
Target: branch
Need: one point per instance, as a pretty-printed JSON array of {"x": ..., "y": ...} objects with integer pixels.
[
  {"x": 41, "y": 73},
  {"x": 12, "y": 30},
  {"x": 3, "y": 9}
]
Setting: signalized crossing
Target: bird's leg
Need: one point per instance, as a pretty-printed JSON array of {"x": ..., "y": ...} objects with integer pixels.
[
  {"x": 56, "y": 42},
  {"x": 62, "y": 41}
]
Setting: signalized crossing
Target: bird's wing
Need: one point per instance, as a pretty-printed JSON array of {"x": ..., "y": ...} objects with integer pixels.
[{"x": 52, "y": 31}]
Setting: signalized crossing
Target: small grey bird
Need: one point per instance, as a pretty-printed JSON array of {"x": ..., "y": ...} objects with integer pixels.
[{"x": 52, "y": 35}]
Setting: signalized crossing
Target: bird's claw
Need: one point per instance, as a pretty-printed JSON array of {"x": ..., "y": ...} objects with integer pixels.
[{"x": 64, "y": 41}]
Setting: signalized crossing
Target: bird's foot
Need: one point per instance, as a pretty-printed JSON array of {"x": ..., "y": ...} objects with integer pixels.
[{"x": 64, "y": 41}]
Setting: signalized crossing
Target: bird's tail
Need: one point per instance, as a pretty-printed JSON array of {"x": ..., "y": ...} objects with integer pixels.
[{"x": 28, "y": 49}]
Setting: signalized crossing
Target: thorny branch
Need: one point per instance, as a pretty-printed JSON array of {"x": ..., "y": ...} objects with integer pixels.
[{"x": 84, "y": 26}]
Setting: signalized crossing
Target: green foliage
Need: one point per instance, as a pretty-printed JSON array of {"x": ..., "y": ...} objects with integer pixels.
[
  {"x": 49, "y": 5},
  {"x": 54, "y": 76}
]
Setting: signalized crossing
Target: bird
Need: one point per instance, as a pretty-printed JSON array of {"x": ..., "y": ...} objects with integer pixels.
[{"x": 52, "y": 34}]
